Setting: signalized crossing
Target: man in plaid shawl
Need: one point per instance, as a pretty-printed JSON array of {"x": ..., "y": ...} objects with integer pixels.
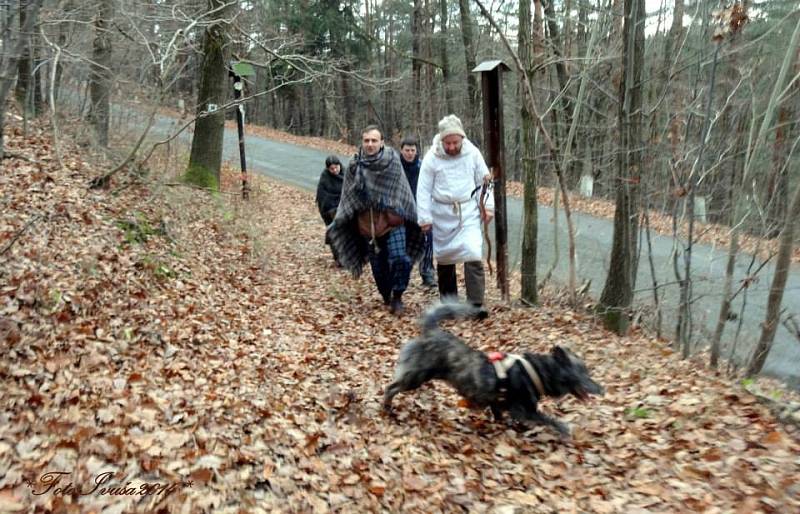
[{"x": 375, "y": 190}]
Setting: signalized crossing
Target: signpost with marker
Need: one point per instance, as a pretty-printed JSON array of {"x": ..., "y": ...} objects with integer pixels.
[{"x": 239, "y": 70}]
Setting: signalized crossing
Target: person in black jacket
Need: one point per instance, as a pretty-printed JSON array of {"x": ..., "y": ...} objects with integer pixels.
[
  {"x": 409, "y": 151},
  {"x": 329, "y": 191}
]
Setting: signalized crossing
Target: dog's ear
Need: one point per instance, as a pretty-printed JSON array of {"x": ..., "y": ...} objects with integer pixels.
[{"x": 560, "y": 355}]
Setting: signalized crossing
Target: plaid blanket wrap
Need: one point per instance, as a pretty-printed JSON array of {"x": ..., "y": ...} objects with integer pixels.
[{"x": 376, "y": 182}]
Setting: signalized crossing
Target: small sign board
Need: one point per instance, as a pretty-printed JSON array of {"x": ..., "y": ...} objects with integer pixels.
[{"x": 243, "y": 69}]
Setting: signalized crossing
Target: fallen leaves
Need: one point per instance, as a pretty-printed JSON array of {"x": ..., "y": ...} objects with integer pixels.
[{"x": 234, "y": 360}]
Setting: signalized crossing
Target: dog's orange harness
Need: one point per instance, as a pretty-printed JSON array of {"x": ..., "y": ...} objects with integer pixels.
[{"x": 504, "y": 361}]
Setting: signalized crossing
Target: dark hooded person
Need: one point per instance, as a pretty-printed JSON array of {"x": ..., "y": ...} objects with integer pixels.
[{"x": 329, "y": 190}]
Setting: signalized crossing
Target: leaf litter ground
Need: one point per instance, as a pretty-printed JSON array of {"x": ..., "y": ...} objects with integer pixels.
[{"x": 208, "y": 345}]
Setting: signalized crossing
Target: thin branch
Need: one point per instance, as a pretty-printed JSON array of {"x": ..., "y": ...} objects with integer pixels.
[
  {"x": 101, "y": 181},
  {"x": 19, "y": 233},
  {"x": 53, "y": 115},
  {"x": 14, "y": 155}
]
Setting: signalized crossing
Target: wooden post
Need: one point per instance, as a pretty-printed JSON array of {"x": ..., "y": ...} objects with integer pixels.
[
  {"x": 493, "y": 137},
  {"x": 238, "y": 71}
]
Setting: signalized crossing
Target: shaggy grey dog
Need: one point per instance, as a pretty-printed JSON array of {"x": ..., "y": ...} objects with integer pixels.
[{"x": 504, "y": 383}]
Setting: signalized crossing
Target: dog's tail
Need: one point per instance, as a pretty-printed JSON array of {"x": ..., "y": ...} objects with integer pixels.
[{"x": 448, "y": 310}]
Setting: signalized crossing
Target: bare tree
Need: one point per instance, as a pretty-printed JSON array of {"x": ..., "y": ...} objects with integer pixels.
[
  {"x": 448, "y": 95},
  {"x": 776, "y": 290},
  {"x": 13, "y": 43},
  {"x": 529, "y": 293},
  {"x": 787, "y": 233},
  {"x": 205, "y": 159},
  {"x": 468, "y": 37},
  {"x": 101, "y": 73},
  {"x": 617, "y": 294}
]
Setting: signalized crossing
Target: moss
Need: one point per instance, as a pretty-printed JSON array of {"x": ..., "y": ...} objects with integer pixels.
[
  {"x": 139, "y": 230},
  {"x": 614, "y": 319},
  {"x": 201, "y": 176}
]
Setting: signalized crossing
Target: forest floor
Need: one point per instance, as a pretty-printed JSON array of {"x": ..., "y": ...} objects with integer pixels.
[{"x": 169, "y": 350}]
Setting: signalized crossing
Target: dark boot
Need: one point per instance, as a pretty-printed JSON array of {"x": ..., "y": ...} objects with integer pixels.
[
  {"x": 397, "y": 306},
  {"x": 429, "y": 281},
  {"x": 482, "y": 313}
]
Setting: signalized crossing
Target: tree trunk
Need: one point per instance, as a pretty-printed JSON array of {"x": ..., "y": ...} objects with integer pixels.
[
  {"x": 617, "y": 294},
  {"x": 468, "y": 37},
  {"x": 561, "y": 73},
  {"x": 389, "y": 110},
  {"x": 448, "y": 95},
  {"x": 782, "y": 266},
  {"x": 777, "y": 191},
  {"x": 416, "y": 64},
  {"x": 25, "y": 63},
  {"x": 349, "y": 110},
  {"x": 529, "y": 293},
  {"x": 62, "y": 41},
  {"x": 12, "y": 48},
  {"x": 37, "y": 100},
  {"x": 205, "y": 159},
  {"x": 100, "y": 74}
]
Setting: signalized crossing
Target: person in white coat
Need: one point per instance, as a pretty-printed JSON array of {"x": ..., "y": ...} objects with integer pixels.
[{"x": 448, "y": 195}]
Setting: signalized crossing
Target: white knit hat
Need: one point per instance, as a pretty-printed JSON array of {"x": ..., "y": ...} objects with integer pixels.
[{"x": 450, "y": 125}]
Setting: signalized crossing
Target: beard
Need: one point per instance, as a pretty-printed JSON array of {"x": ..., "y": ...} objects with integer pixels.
[{"x": 453, "y": 151}]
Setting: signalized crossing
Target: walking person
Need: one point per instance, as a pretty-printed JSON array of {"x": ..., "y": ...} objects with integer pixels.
[
  {"x": 448, "y": 194},
  {"x": 329, "y": 190},
  {"x": 377, "y": 219},
  {"x": 409, "y": 153}
]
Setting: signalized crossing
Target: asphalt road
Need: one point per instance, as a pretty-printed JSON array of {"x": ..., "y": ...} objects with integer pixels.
[{"x": 301, "y": 166}]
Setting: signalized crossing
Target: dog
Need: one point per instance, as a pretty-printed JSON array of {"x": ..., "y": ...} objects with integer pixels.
[{"x": 503, "y": 382}]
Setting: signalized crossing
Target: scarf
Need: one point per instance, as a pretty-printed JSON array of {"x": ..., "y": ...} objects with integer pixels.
[{"x": 373, "y": 182}]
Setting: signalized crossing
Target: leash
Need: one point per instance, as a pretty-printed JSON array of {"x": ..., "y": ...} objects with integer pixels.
[{"x": 485, "y": 187}]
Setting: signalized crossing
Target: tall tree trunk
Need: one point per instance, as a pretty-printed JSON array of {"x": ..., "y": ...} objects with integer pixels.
[
  {"x": 583, "y": 24},
  {"x": 37, "y": 100},
  {"x": 782, "y": 266},
  {"x": 205, "y": 159},
  {"x": 561, "y": 72},
  {"x": 617, "y": 294},
  {"x": 529, "y": 293},
  {"x": 100, "y": 74},
  {"x": 62, "y": 40},
  {"x": 349, "y": 110},
  {"x": 737, "y": 165},
  {"x": 25, "y": 63},
  {"x": 416, "y": 64},
  {"x": 787, "y": 233},
  {"x": 448, "y": 95},
  {"x": 468, "y": 37},
  {"x": 388, "y": 66},
  {"x": 12, "y": 49},
  {"x": 777, "y": 191}
]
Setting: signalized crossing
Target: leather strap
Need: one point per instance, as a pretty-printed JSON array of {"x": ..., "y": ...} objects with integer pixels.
[{"x": 501, "y": 367}]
